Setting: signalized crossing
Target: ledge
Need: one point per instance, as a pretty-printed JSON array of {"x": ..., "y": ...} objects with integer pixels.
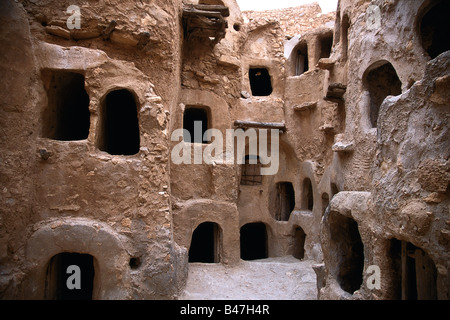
[
  {"x": 306, "y": 106},
  {"x": 343, "y": 147},
  {"x": 326, "y": 64},
  {"x": 263, "y": 125}
]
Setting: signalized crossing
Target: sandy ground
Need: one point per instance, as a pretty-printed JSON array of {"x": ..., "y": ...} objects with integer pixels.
[{"x": 284, "y": 278}]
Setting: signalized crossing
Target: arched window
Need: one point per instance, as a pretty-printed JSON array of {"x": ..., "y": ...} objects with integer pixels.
[
  {"x": 434, "y": 28},
  {"x": 206, "y": 243},
  {"x": 284, "y": 201},
  {"x": 326, "y": 44},
  {"x": 345, "y": 26},
  {"x": 381, "y": 80},
  {"x": 67, "y": 115},
  {"x": 119, "y": 128},
  {"x": 301, "y": 59},
  {"x": 253, "y": 240},
  {"x": 308, "y": 196},
  {"x": 70, "y": 276}
]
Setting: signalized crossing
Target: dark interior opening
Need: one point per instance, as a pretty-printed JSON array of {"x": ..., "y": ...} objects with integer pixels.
[
  {"x": 119, "y": 124},
  {"x": 135, "y": 262},
  {"x": 205, "y": 243},
  {"x": 308, "y": 196},
  {"x": 67, "y": 116},
  {"x": 326, "y": 44},
  {"x": 413, "y": 271},
  {"x": 334, "y": 189},
  {"x": 285, "y": 201},
  {"x": 325, "y": 202},
  {"x": 251, "y": 171},
  {"x": 301, "y": 61},
  {"x": 195, "y": 121},
  {"x": 58, "y": 277},
  {"x": 345, "y": 25},
  {"x": 253, "y": 240},
  {"x": 381, "y": 82},
  {"x": 299, "y": 243},
  {"x": 348, "y": 249},
  {"x": 260, "y": 82},
  {"x": 435, "y": 29}
]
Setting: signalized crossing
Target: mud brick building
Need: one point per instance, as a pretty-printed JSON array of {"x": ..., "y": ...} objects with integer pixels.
[{"x": 87, "y": 115}]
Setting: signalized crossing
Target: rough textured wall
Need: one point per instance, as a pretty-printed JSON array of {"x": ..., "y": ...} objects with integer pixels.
[
  {"x": 74, "y": 185},
  {"x": 362, "y": 193},
  {"x": 390, "y": 171},
  {"x": 293, "y": 21}
]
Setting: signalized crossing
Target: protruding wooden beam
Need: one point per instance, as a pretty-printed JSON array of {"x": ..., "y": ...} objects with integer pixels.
[
  {"x": 261, "y": 125},
  {"x": 143, "y": 40},
  {"x": 224, "y": 11},
  {"x": 109, "y": 29}
]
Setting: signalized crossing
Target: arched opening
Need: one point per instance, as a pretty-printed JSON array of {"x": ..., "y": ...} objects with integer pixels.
[
  {"x": 345, "y": 26},
  {"x": 435, "y": 29},
  {"x": 348, "y": 251},
  {"x": 381, "y": 81},
  {"x": 206, "y": 243},
  {"x": 67, "y": 116},
  {"x": 70, "y": 276},
  {"x": 253, "y": 241},
  {"x": 196, "y": 122},
  {"x": 251, "y": 171},
  {"x": 325, "y": 202},
  {"x": 326, "y": 44},
  {"x": 301, "y": 59},
  {"x": 299, "y": 243},
  {"x": 119, "y": 129},
  {"x": 308, "y": 196},
  {"x": 334, "y": 189},
  {"x": 414, "y": 272},
  {"x": 284, "y": 201},
  {"x": 260, "y": 82}
]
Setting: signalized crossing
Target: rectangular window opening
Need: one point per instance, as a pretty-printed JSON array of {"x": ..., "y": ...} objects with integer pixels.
[
  {"x": 196, "y": 122},
  {"x": 66, "y": 116},
  {"x": 260, "y": 82}
]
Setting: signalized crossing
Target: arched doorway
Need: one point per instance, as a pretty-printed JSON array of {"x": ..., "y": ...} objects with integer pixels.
[
  {"x": 299, "y": 243},
  {"x": 206, "y": 243},
  {"x": 348, "y": 251},
  {"x": 70, "y": 276}
]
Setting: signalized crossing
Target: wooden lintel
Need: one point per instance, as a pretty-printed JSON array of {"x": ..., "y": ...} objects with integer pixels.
[
  {"x": 224, "y": 11},
  {"x": 195, "y": 12},
  {"x": 262, "y": 125}
]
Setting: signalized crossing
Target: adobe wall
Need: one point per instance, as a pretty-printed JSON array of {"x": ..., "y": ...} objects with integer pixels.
[
  {"x": 362, "y": 194},
  {"x": 49, "y": 184}
]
